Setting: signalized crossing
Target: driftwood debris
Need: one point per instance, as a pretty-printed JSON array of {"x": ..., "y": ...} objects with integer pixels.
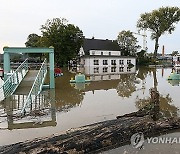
[
  {"x": 99, "y": 136},
  {"x": 94, "y": 138}
]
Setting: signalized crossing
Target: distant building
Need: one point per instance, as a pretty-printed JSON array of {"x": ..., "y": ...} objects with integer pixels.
[
  {"x": 102, "y": 57},
  {"x": 166, "y": 60},
  {"x": 176, "y": 60}
]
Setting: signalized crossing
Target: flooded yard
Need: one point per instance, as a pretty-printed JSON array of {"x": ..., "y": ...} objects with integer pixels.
[{"x": 74, "y": 105}]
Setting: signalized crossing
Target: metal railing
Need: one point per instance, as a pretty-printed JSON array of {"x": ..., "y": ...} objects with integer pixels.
[
  {"x": 14, "y": 79},
  {"x": 37, "y": 86}
]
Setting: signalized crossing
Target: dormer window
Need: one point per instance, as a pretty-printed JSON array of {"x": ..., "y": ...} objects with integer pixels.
[
  {"x": 109, "y": 53},
  {"x": 101, "y": 53},
  {"x": 93, "y": 52}
]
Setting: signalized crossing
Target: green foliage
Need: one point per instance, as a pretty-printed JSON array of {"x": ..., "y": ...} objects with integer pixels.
[
  {"x": 65, "y": 38},
  {"x": 175, "y": 53},
  {"x": 141, "y": 54},
  {"x": 34, "y": 40},
  {"x": 127, "y": 43},
  {"x": 143, "y": 59},
  {"x": 158, "y": 22}
]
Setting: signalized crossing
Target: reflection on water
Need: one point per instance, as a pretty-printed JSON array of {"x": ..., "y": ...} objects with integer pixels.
[
  {"x": 74, "y": 105},
  {"x": 41, "y": 113},
  {"x": 174, "y": 82},
  {"x": 106, "y": 73}
]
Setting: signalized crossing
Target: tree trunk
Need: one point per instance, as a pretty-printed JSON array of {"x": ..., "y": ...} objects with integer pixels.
[
  {"x": 155, "y": 79},
  {"x": 156, "y": 46},
  {"x": 94, "y": 138}
]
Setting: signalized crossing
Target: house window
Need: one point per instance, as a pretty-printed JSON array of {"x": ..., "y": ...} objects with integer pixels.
[
  {"x": 121, "y": 62},
  {"x": 109, "y": 53},
  {"x": 96, "y": 70},
  {"x": 105, "y": 62},
  {"x": 101, "y": 53},
  {"x": 96, "y": 62},
  {"x": 93, "y": 52},
  {"x": 128, "y": 69},
  {"x": 105, "y": 69},
  {"x": 113, "y": 69},
  {"x": 113, "y": 62},
  {"x": 128, "y": 61},
  {"x": 121, "y": 69}
]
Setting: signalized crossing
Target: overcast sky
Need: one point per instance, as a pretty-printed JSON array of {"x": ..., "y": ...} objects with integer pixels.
[{"x": 103, "y": 19}]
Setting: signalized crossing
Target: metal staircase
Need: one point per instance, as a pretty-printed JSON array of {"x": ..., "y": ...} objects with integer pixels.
[
  {"x": 13, "y": 80},
  {"x": 36, "y": 87}
]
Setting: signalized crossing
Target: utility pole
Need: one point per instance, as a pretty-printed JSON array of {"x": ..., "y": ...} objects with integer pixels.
[{"x": 144, "y": 39}]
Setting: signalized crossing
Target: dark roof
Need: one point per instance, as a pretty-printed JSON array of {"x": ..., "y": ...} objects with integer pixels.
[{"x": 97, "y": 44}]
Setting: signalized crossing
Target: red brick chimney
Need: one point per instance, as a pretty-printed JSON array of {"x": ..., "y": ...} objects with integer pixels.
[{"x": 163, "y": 50}]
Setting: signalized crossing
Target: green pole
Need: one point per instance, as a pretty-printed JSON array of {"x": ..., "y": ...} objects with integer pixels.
[{"x": 51, "y": 70}]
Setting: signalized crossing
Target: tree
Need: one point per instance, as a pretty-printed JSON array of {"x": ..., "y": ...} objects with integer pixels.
[
  {"x": 165, "y": 106},
  {"x": 126, "y": 86},
  {"x": 142, "y": 58},
  {"x": 65, "y": 38},
  {"x": 127, "y": 43},
  {"x": 34, "y": 40},
  {"x": 158, "y": 22},
  {"x": 175, "y": 53}
]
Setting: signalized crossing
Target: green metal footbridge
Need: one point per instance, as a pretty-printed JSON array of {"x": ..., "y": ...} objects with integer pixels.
[{"x": 24, "y": 81}]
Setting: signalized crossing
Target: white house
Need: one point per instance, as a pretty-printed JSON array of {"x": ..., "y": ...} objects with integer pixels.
[
  {"x": 102, "y": 57},
  {"x": 176, "y": 60}
]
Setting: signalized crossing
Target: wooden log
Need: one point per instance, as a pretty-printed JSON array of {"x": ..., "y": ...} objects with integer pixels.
[{"x": 96, "y": 137}]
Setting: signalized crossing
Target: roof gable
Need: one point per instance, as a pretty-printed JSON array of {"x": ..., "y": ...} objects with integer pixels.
[{"x": 97, "y": 44}]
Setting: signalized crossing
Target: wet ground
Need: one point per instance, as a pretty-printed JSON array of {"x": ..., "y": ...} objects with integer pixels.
[
  {"x": 74, "y": 105},
  {"x": 149, "y": 148}
]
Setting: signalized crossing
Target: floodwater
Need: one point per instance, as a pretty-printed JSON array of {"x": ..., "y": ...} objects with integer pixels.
[{"x": 74, "y": 105}]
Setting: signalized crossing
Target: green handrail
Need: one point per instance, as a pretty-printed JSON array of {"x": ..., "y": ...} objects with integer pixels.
[
  {"x": 37, "y": 86},
  {"x": 14, "y": 79}
]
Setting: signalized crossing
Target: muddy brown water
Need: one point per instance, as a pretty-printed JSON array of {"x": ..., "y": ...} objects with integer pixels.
[{"x": 74, "y": 105}]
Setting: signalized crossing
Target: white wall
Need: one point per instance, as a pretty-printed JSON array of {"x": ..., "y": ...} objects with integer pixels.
[
  {"x": 91, "y": 70},
  {"x": 89, "y": 61},
  {"x": 104, "y": 52},
  {"x": 89, "y": 67}
]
